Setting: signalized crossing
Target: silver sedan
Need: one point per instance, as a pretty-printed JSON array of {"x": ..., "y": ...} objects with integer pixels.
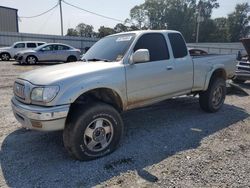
[{"x": 51, "y": 52}]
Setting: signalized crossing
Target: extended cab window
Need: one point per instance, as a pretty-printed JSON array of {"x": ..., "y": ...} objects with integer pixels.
[
  {"x": 178, "y": 45},
  {"x": 31, "y": 45},
  {"x": 156, "y": 44},
  {"x": 19, "y": 45}
]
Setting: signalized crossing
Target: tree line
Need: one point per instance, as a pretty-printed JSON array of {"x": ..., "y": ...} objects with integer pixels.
[{"x": 180, "y": 15}]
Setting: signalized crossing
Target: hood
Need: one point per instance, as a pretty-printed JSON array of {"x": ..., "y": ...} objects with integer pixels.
[
  {"x": 246, "y": 44},
  {"x": 5, "y": 48},
  {"x": 57, "y": 73}
]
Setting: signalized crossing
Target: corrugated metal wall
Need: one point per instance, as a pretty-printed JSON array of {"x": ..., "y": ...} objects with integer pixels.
[
  {"x": 8, "y": 38},
  {"x": 8, "y": 19}
]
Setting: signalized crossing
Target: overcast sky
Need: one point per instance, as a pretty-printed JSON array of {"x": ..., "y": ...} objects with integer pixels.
[{"x": 50, "y": 22}]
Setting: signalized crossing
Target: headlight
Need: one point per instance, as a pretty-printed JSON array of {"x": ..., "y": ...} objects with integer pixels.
[{"x": 44, "y": 94}]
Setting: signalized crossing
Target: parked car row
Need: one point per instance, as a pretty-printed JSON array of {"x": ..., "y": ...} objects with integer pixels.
[
  {"x": 7, "y": 53},
  {"x": 28, "y": 52},
  {"x": 52, "y": 52}
]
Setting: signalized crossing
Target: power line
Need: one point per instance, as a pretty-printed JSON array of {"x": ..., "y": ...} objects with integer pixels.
[
  {"x": 40, "y": 13},
  {"x": 100, "y": 15},
  {"x": 46, "y": 21}
]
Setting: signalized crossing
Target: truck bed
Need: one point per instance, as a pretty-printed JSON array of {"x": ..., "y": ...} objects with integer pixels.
[{"x": 205, "y": 63}]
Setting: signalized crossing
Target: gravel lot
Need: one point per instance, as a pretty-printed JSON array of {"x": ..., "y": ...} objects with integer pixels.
[{"x": 171, "y": 144}]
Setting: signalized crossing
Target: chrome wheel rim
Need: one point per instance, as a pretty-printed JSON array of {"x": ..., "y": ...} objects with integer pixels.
[
  {"x": 5, "y": 56},
  {"x": 217, "y": 96},
  {"x": 98, "y": 134},
  {"x": 31, "y": 60}
]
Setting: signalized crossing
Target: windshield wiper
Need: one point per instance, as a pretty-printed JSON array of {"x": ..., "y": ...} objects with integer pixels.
[{"x": 97, "y": 59}]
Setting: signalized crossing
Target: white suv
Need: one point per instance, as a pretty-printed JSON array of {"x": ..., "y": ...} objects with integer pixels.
[{"x": 7, "y": 53}]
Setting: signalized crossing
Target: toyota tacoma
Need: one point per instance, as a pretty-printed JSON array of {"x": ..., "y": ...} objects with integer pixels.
[{"x": 120, "y": 72}]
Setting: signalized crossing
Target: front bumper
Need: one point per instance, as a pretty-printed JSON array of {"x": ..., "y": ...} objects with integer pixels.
[
  {"x": 243, "y": 75},
  {"x": 40, "y": 118},
  {"x": 19, "y": 59}
]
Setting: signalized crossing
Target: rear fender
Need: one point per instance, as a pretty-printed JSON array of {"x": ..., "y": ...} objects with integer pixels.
[{"x": 212, "y": 70}]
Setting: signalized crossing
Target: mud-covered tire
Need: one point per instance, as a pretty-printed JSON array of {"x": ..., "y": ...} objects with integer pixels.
[
  {"x": 5, "y": 56},
  {"x": 238, "y": 81},
  {"x": 78, "y": 126},
  {"x": 213, "y": 98}
]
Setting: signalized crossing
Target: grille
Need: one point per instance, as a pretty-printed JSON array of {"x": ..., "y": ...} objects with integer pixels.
[
  {"x": 19, "y": 90},
  {"x": 244, "y": 68},
  {"x": 244, "y": 64}
]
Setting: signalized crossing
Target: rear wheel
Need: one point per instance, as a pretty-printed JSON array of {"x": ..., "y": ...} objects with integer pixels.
[
  {"x": 5, "y": 56},
  {"x": 213, "y": 98},
  {"x": 92, "y": 132},
  {"x": 71, "y": 59},
  {"x": 31, "y": 60}
]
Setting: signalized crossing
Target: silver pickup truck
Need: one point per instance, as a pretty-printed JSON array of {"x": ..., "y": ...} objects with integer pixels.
[{"x": 120, "y": 72}]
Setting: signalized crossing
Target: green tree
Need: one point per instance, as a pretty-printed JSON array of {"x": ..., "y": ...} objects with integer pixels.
[
  {"x": 85, "y": 30},
  {"x": 72, "y": 32},
  {"x": 207, "y": 31},
  {"x": 221, "y": 32},
  {"x": 156, "y": 11},
  {"x": 138, "y": 17},
  {"x": 178, "y": 15},
  {"x": 238, "y": 22},
  {"x": 120, "y": 28},
  {"x": 206, "y": 7},
  {"x": 104, "y": 31}
]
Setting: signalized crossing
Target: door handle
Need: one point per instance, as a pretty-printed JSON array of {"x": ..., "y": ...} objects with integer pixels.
[{"x": 169, "y": 68}]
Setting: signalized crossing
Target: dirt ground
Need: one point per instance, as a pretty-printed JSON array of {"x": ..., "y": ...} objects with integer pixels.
[{"x": 171, "y": 144}]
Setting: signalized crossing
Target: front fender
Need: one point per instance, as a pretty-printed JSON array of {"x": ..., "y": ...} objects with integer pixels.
[{"x": 72, "y": 90}]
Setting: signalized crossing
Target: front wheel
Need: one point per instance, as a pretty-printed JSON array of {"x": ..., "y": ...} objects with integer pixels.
[
  {"x": 92, "y": 132},
  {"x": 5, "y": 56},
  {"x": 31, "y": 60},
  {"x": 213, "y": 98}
]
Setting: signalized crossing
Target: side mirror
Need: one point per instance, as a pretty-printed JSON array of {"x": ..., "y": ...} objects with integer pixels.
[{"x": 140, "y": 56}]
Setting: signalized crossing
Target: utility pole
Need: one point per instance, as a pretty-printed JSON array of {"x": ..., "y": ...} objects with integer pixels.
[
  {"x": 198, "y": 25},
  {"x": 60, "y": 4}
]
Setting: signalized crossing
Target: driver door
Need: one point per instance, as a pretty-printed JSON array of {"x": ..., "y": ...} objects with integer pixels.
[
  {"x": 17, "y": 48},
  {"x": 47, "y": 53},
  {"x": 150, "y": 80}
]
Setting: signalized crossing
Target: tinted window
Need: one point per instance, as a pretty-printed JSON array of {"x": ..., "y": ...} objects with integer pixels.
[
  {"x": 47, "y": 48},
  {"x": 178, "y": 45},
  {"x": 31, "y": 45},
  {"x": 39, "y": 44},
  {"x": 156, "y": 44},
  {"x": 62, "y": 47},
  {"x": 19, "y": 45}
]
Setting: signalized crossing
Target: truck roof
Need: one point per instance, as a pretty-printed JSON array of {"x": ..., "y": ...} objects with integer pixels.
[
  {"x": 147, "y": 31},
  {"x": 29, "y": 42}
]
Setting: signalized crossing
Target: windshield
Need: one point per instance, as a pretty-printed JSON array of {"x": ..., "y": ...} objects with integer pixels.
[{"x": 111, "y": 48}]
